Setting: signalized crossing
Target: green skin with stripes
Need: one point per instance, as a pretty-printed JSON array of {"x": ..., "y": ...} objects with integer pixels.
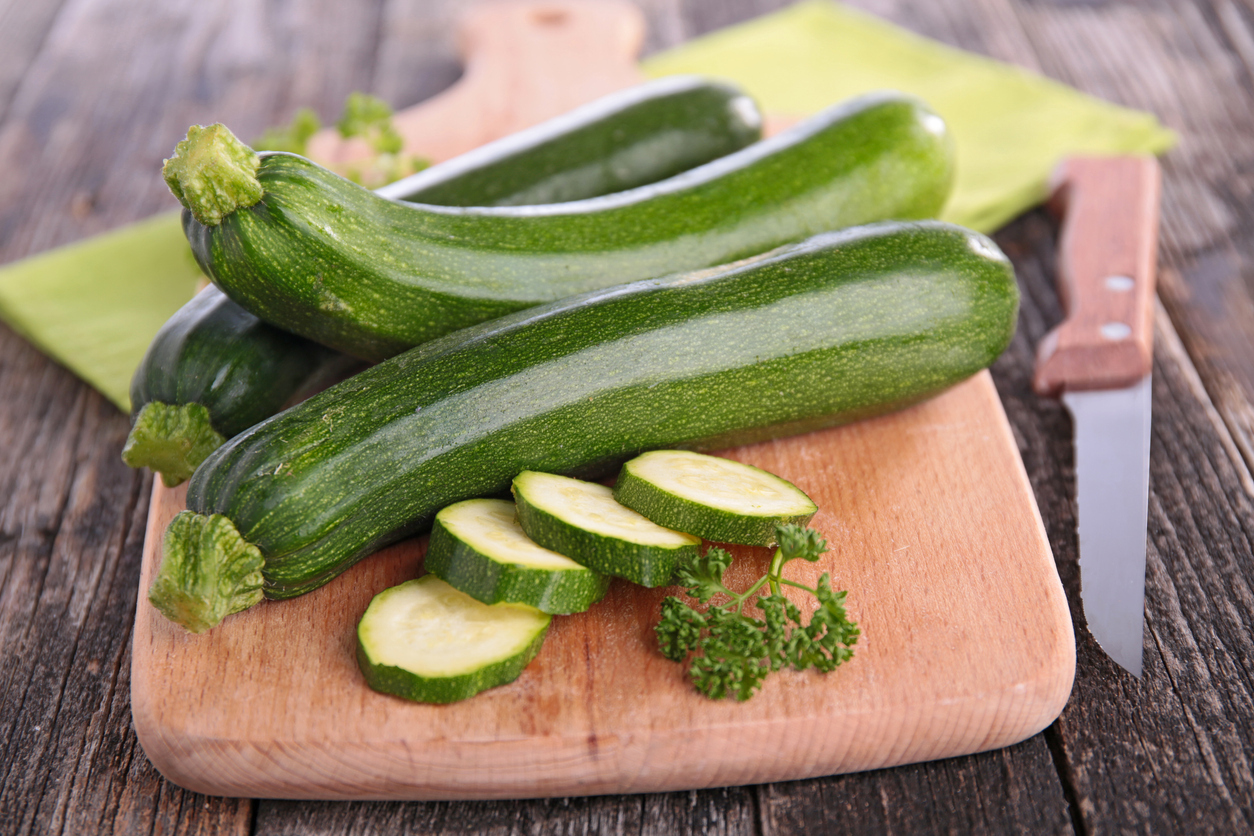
[
  {"x": 627, "y": 139},
  {"x": 841, "y": 327}
]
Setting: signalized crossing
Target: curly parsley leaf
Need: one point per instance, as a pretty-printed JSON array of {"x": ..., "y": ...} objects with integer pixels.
[
  {"x": 703, "y": 576},
  {"x": 732, "y": 652}
]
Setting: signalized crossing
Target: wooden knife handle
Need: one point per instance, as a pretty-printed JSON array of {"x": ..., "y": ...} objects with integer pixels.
[{"x": 1107, "y": 260}]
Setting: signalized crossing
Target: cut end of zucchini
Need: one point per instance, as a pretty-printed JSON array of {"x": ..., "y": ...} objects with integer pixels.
[
  {"x": 426, "y": 641},
  {"x": 212, "y": 173},
  {"x": 171, "y": 439},
  {"x": 208, "y": 571},
  {"x": 715, "y": 498}
]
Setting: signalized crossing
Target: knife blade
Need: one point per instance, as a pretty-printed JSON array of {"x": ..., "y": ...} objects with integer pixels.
[{"x": 1099, "y": 360}]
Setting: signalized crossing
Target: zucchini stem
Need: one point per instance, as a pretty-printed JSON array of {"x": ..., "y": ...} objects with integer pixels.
[
  {"x": 212, "y": 173},
  {"x": 208, "y": 571},
  {"x": 171, "y": 439}
]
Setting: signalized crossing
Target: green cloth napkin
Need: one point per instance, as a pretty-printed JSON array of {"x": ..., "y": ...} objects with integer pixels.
[{"x": 94, "y": 306}]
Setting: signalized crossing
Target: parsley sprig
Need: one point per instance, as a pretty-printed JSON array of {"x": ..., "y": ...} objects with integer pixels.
[
  {"x": 365, "y": 116},
  {"x": 732, "y": 652}
]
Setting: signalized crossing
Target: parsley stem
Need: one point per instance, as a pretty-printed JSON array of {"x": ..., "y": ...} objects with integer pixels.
[{"x": 777, "y": 566}]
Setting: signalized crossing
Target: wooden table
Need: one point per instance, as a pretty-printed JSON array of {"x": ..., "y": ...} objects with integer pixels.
[{"x": 93, "y": 92}]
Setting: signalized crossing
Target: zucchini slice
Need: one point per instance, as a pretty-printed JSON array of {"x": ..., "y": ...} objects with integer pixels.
[
  {"x": 425, "y": 641},
  {"x": 582, "y": 521},
  {"x": 478, "y": 547},
  {"x": 719, "y": 499}
]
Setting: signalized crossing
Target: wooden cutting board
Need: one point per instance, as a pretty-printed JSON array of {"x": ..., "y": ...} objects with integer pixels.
[{"x": 967, "y": 642}]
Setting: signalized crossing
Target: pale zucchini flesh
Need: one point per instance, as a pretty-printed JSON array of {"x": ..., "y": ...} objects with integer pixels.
[
  {"x": 478, "y": 547},
  {"x": 583, "y": 521},
  {"x": 425, "y": 641},
  {"x": 719, "y": 499}
]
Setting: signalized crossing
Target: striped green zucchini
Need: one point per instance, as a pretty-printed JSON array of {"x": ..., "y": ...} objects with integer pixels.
[
  {"x": 842, "y": 326},
  {"x": 319, "y": 256}
]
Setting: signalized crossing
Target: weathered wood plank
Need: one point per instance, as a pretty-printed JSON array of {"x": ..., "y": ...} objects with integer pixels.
[
  {"x": 71, "y": 532},
  {"x": 1013, "y": 790},
  {"x": 723, "y": 812},
  {"x": 25, "y": 26},
  {"x": 1190, "y": 63},
  {"x": 245, "y": 63}
]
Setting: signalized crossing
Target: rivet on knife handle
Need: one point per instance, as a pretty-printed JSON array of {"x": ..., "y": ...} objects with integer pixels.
[{"x": 1106, "y": 266}]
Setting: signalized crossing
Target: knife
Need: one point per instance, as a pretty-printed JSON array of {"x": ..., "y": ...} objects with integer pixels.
[{"x": 1099, "y": 360}]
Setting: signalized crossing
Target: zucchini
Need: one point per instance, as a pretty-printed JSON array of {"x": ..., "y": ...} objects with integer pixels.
[
  {"x": 843, "y": 326},
  {"x": 316, "y": 255},
  {"x": 214, "y": 369},
  {"x": 425, "y": 641},
  {"x": 718, "y": 499},
  {"x": 582, "y": 521},
  {"x": 630, "y": 138},
  {"x": 478, "y": 547}
]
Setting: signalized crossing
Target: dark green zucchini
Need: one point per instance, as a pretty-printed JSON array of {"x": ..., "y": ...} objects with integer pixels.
[
  {"x": 630, "y": 138},
  {"x": 319, "y": 256},
  {"x": 212, "y": 371},
  {"x": 842, "y": 326},
  {"x": 215, "y": 369}
]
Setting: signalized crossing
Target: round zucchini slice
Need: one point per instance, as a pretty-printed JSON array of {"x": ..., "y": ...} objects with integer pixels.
[
  {"x": 478, "y": 547},
  {"x": 427, "y": 642},
  {"x": 718, "y": 499},
  {"x": 582, "y": 521}
]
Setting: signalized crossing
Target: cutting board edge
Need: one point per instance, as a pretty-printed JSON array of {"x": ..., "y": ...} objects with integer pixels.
[{"x": 243, "y": 768}]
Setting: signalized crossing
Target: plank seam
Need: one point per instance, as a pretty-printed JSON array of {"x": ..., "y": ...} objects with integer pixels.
[
  {"x": 1066, "y": 776},
  {"x": 1169, "y": 341}
]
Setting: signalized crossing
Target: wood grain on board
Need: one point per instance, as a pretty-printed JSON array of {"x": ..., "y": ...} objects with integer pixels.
[{"x": 932, "y": 527}]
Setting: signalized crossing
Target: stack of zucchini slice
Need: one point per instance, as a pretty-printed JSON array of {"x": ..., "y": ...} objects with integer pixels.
[
  {"x": 464, "y": 627},
  {"x": 711, "y": 308}
]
